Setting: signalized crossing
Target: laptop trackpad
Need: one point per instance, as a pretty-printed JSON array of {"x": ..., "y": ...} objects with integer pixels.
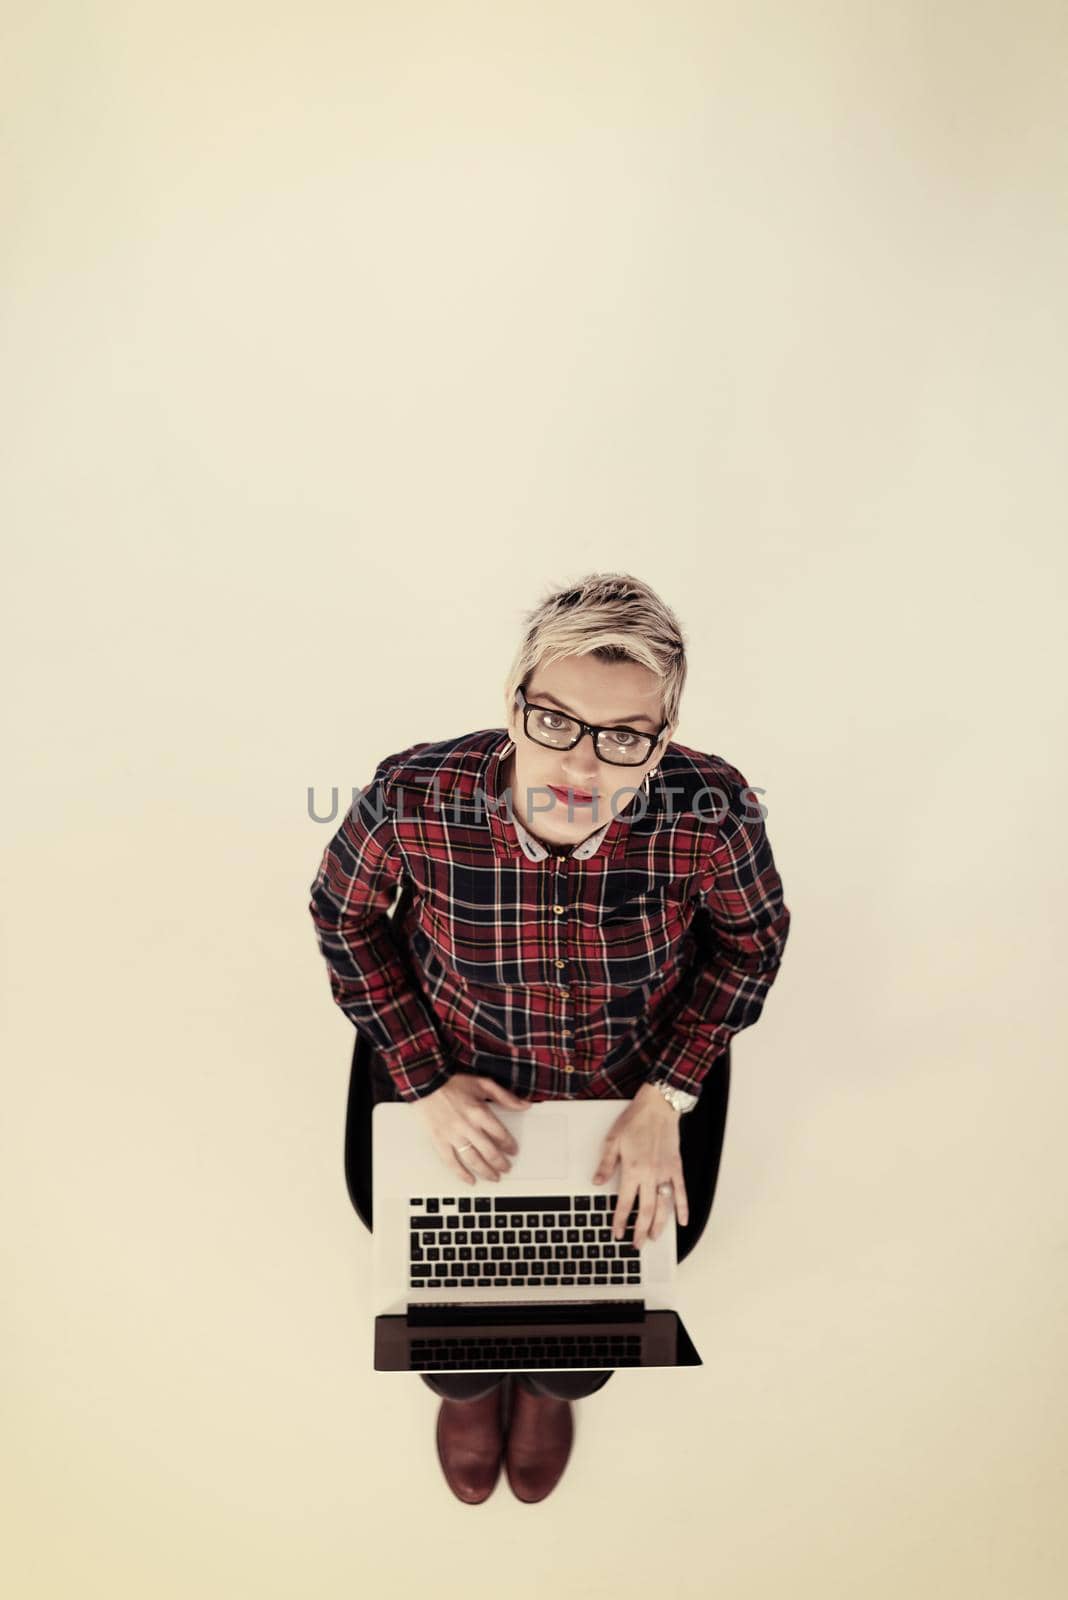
[{"x": 542, "y": 1146}]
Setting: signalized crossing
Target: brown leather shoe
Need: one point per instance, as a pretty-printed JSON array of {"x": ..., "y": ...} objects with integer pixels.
[
  {"x": 539, "y": 1442},
  {"x": 470, "y": 1440}
]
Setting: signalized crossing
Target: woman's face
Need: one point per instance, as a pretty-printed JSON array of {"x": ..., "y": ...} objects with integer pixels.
[{"x": 607, "y": 695}]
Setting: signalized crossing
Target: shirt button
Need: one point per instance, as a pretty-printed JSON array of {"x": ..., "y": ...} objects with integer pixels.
[
  {"x": 559, "y": 963},
  {"x": 559, "y": 910},
  {"x": 569, "y": 1069}
]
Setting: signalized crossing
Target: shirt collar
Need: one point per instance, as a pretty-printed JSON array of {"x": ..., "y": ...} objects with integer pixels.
[{"x": 536, "y": 851}]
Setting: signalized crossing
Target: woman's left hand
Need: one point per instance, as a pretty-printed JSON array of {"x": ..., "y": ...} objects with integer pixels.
[{"x": 645, "y": 1140}]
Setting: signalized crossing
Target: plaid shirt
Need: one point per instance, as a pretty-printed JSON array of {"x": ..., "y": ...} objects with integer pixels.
[{"x": 635, "y": 956}]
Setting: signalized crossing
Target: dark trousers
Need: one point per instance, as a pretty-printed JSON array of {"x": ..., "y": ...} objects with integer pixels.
[{"x": 700, "y": 1143}]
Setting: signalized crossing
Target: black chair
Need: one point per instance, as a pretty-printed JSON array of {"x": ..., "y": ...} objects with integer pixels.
[{"x": 700, "y": 1135}]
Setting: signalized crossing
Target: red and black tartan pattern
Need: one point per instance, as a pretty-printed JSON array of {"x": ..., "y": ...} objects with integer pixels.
[{"x": 563, "y": 978}]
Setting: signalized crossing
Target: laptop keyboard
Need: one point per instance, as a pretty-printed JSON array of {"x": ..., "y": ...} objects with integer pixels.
[
  {"x": 530, "y": 1350},
  {"x": 520, "y": 1242}
]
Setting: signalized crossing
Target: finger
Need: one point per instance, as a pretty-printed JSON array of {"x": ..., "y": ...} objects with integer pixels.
[
  {"x": 665, "y": 1205},
  {"x": 454, "y": 1164},
  {"x": 607, "y": 1161},
  {"x": 627, "y": 1190},
  {"x": 646, "y": 1208},
  {"x": 495, "y": 1134},
  {"x": 682, "y": 1201},
  {"x": 475, "y": 1154},
  {"x": 497, "y": 1091}
]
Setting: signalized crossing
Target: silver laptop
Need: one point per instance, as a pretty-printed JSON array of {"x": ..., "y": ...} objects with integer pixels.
[{"x": 518, "y": 1274}]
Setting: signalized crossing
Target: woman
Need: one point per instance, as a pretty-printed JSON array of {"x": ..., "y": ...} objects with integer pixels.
[{"x": 551, "y": 949}]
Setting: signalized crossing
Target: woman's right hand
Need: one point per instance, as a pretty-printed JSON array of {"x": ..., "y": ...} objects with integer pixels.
[{"x": 458, "y": 1114}]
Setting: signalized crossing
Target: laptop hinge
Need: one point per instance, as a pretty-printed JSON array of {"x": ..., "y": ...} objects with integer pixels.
[{"x": 508, "y": 1311}]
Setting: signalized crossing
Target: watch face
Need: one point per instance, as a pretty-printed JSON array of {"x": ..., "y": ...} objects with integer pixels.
[{"x": 678, "y": 1098}]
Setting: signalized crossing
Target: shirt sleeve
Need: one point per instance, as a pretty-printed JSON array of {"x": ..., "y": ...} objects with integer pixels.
[
  {"x": 744, "y": 923},
  {"x": 350, "y": 897}
]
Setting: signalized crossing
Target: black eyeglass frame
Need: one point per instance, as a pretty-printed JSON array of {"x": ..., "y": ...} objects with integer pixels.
[{"x": 527, "y": 706}]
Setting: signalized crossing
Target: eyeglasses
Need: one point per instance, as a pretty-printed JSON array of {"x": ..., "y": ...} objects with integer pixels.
[{"x": 621, "y": 747}]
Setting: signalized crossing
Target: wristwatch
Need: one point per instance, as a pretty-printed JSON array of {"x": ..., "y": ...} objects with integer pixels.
[{"x": 677, "y": 1097}]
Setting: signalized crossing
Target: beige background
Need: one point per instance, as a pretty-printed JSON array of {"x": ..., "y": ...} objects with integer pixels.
[{"x": 332, "y": 335}]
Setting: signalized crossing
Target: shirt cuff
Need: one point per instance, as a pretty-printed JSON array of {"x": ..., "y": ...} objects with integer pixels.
[{"x": 415, "y": 1079}]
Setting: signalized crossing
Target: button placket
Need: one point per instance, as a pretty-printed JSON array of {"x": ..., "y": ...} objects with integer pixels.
[{"x": 559, "y": 908}]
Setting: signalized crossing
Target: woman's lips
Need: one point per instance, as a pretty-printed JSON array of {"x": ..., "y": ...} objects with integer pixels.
[{"x": 580, "y": 799}]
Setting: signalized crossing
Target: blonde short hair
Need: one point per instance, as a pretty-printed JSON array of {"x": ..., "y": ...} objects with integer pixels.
[{"x": 613, "y": 617}]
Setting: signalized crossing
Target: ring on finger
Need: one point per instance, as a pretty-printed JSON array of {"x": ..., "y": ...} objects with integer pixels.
[
  {"x": 469, "y": 1160},
  {"x": 465, "y": 1160}
]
